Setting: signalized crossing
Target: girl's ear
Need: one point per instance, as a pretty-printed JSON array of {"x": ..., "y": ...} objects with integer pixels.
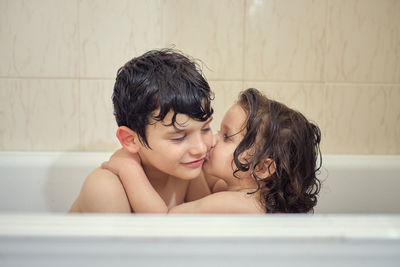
[
  {"x": 266, "y": 168},
  {"x": 128, "y": 139}
]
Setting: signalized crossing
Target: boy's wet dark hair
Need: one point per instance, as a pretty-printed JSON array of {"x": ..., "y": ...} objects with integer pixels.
[
  {"x": 276, "y": 132},
  {"x": 149, "y": 86}
]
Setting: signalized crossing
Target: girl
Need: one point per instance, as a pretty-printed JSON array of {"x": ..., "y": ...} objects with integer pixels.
[{"x": 264, "y": 161}]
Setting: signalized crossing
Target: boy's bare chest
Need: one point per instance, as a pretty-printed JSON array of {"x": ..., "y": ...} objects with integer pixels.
[{"x": 173, "y": 192}]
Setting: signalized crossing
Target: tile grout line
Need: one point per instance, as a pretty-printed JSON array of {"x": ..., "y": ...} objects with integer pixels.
[
  {"x": 243, "y": 42},
  {"x": 324, "y": 68},
  {"x": 356, "y": 83},
  {"x": 80, "y": 142}
]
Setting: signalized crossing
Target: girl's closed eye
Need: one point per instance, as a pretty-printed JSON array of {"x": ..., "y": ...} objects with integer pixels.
[{"x": 227, "y": 137}]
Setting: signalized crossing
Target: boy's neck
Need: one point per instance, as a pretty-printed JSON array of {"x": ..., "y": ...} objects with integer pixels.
[
  {"x": 155, "y": 176},
  {"x": 171, "y": 189}
]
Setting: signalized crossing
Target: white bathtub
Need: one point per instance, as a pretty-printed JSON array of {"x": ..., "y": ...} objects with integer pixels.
[
  {"x": 49, "y": 182},
  {"x": 144, "y": 240},
  {"x": 36, "y": 189}
]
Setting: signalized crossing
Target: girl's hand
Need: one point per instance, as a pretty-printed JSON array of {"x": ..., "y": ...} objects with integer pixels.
[{"x": 121, "y": 159}]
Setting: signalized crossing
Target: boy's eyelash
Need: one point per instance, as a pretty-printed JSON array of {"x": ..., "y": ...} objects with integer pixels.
[{"x": 179, "y": 138}]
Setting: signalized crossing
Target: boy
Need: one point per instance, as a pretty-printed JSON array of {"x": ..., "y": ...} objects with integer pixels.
[{"x": 162, "y": 105}]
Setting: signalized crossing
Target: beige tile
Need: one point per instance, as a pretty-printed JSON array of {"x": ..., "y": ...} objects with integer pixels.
[
  {"x": 305, "y": 98},
  {"x": 226, "y": 94},
  {"x": 39, "y": 115},
  {"x": 362, "y": 119},
  {"x": 209, "y": 30},
  {"x": 353, "y": 119},
  {"x": 97, "y": 123},
  {"x": 363, "y": 41},
  {"x": 113, "y": 32},
  {"x": 38, "y": 38},
  {"x": 284, "y": 40}
]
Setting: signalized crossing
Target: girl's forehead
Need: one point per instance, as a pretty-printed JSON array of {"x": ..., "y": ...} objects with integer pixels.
[{"x": 235, "y": 116}]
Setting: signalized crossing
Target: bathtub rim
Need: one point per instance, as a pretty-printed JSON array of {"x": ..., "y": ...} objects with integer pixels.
[{"x": 275, "y": 226}]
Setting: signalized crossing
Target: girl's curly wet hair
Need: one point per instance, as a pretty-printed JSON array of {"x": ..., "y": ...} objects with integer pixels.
[{"x": 291, "y": 142}]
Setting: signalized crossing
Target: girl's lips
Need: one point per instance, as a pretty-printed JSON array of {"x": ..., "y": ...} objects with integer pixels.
[
  {"x": 195, "y": 163},
  {"x": 207, "y": 157}
]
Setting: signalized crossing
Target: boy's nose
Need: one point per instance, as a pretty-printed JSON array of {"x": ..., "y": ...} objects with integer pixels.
[{"x": 199, "y": 147}]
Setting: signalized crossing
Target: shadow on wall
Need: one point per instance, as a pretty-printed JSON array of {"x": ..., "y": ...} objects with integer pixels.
[
  {"x": 66, "y": 175},
  {"x": 44, "y": 181},
  {"x": 37, "y": 182},
  {"x": 359, "y": 184}
]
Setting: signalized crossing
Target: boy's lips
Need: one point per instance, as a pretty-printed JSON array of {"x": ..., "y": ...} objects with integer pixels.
[{"x": 195, "y": 163}]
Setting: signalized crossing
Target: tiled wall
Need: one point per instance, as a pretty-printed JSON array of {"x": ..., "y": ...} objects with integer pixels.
[{"x": 337, "y": 61}]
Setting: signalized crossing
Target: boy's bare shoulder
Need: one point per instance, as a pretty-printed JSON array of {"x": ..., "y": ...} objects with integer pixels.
[{"x": 102, "y": 191}]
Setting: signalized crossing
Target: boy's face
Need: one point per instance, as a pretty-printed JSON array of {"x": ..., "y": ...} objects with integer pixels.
[
  {"x": 220, "y": 163},
  {"x": 178, "y": 152}
]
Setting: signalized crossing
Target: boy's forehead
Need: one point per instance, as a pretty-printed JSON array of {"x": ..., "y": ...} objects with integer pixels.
[{"x": 181, "y": 120}]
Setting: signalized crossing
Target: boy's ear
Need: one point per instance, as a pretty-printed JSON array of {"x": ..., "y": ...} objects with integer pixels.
[
  {"x": 266, "y": 168},
  {"x": 128, "y": 139}
]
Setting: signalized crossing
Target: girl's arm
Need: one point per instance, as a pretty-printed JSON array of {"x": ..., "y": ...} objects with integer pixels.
[
  {"x": 216, "y": 184},
  {"x": 142, "y": 196},
  {"x": 221, "y": 202}
]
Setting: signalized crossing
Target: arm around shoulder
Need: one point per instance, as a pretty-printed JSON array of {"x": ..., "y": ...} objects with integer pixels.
[
  {"x": 102, "y": 192},
  {"x": 222, "y": 202}
]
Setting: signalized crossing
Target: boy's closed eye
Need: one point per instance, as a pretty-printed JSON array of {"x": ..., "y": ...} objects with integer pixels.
[
  {"x": 178, "y": 139},
  {"x": 181, "y": 138},
  {"x": 206, "y": 129}
]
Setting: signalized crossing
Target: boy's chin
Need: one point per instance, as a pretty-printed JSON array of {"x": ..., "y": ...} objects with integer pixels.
[{"x": 189, "y": 175}]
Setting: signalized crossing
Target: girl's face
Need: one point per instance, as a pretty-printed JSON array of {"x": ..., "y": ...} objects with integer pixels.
[
  {"x": 220, "y": 163},
  {"x": 176, "y": 151}
]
